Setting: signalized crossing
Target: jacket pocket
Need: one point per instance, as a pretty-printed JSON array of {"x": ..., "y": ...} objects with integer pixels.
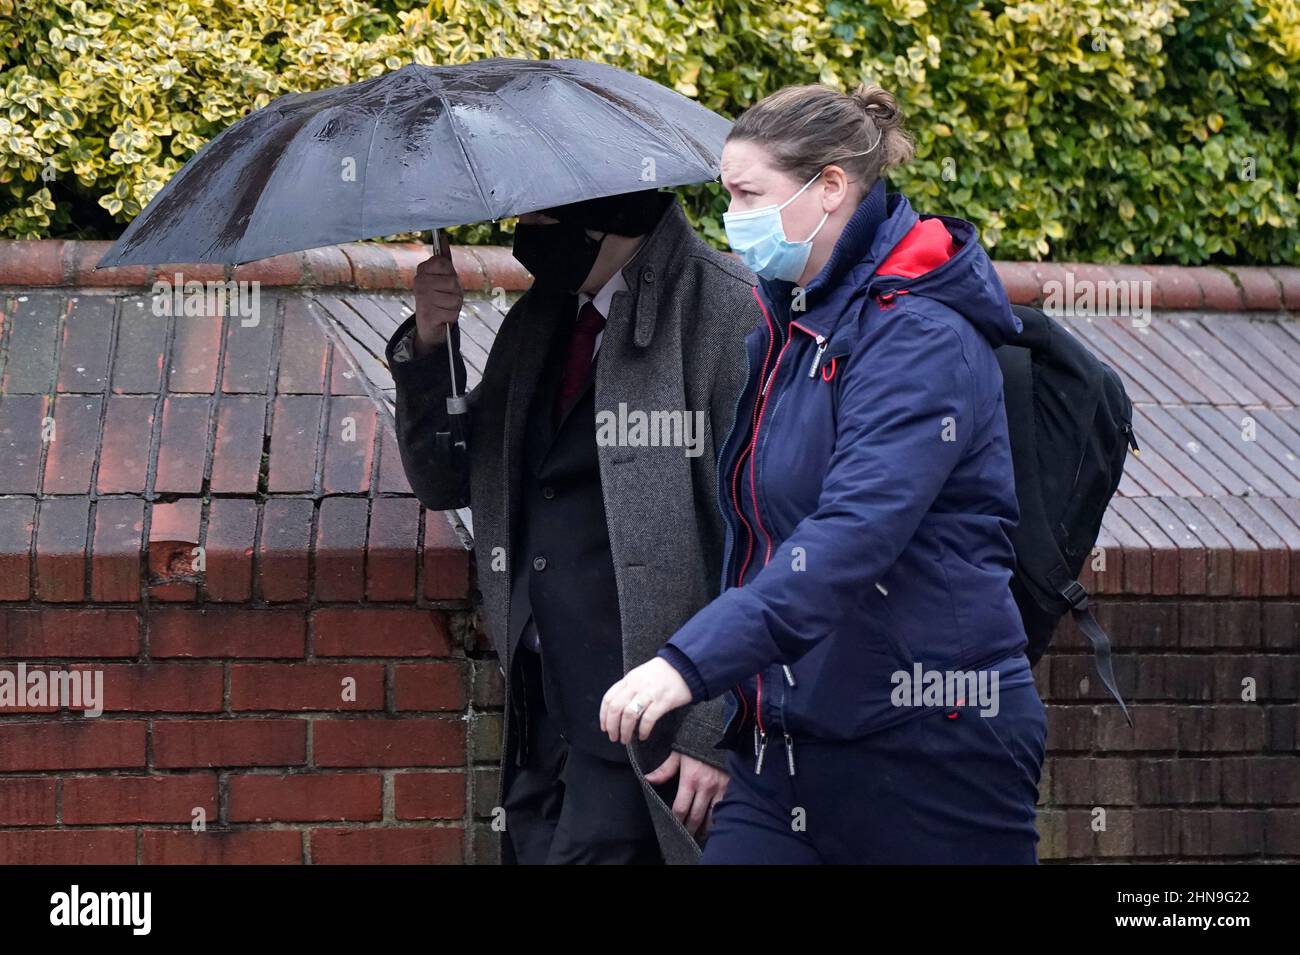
[
  {"x": 1018, "y": 731},
  {"x": 894, "y": 640}
]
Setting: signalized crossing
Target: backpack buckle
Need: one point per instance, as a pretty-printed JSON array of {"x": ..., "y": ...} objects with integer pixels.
[{"x": 1076, "y": 594}]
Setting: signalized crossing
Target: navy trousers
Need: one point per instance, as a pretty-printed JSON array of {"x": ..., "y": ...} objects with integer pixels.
[{"x": 937, "y": 789}]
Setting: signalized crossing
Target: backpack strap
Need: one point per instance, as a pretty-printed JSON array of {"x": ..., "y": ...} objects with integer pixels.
[
  {"x": 1077, "y": 595},
  {"x": 1043, "y": 565}
]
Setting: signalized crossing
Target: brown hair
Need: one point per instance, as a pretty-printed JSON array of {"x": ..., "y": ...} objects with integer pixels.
[{"x": 807, "y": 128}]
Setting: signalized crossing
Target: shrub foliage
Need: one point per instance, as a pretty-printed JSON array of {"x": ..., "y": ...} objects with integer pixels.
[{"x": 1106, "y": 130}]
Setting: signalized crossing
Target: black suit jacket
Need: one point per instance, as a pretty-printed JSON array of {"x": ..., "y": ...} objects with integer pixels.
[{"x": 562, "y": 572}]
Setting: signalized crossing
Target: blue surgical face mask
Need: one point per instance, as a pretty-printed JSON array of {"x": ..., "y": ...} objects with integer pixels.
[{"x": 758, "y": 237}]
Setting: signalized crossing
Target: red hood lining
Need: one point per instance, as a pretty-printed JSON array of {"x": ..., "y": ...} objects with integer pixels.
[{"x": 927, "y": 245}]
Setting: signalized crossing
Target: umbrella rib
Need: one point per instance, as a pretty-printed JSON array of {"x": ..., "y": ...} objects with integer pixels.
[
  {"x": 370, "y": 147},
  {"x": 654, "y": 132},
  {"x": 451, "y": 118},
  {"x": 559, "y": 150}
]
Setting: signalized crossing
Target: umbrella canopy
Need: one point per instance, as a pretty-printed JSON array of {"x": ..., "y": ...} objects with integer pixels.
[{"x": 422, "y": 148}]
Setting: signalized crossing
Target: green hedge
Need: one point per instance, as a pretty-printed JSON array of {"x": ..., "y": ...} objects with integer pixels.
[{"x": 1106, "y": 130}]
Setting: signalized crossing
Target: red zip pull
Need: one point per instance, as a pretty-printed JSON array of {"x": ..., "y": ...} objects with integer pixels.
[{"x": 888, "y": 299}]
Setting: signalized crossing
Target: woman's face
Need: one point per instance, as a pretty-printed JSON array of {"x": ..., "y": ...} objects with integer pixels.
[{"x": 753, "y": 182}]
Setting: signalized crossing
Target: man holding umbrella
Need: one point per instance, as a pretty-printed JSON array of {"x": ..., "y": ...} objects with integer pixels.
[{"x": 589, "y": 553}]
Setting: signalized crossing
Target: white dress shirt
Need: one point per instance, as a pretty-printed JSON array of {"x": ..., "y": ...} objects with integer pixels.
[{"x": 602, "y": 300}]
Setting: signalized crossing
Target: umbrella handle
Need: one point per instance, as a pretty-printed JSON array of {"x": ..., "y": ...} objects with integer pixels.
[
  {"x": 457, "y": 406},
  {"x": 451, "y": 355}
]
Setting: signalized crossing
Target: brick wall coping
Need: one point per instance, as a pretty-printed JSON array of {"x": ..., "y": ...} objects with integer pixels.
[
  {"x": 128, "y": 440},
  {"x": 369, "y": 265}
]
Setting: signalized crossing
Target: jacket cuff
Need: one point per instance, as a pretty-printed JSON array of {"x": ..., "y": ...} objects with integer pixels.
[
  {"x": 403, "y": 348},
  {"x": 427, "y": 373},
  {"x": 680, "y": 662}
]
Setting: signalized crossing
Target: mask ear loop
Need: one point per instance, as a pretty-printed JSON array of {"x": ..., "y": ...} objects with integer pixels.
[
  {"x": 880, "y": 134},
  {"x": 827, "y": 215},
  {"x": 800, "y": 192}
]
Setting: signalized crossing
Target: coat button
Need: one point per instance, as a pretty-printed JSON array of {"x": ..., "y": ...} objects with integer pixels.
[
  {"x": 648, "y": 275},
  {"x": 548, "y": 492},
  {"x": 539, "y": 563}
]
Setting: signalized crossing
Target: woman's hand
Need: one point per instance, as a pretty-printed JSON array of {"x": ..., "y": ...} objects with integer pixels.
[{"x": 646, "y": 693}]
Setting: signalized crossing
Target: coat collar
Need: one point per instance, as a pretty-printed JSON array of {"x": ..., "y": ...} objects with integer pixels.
[
  {"x": 878, "y": 224},
  {"x": 646, "y": 270}
]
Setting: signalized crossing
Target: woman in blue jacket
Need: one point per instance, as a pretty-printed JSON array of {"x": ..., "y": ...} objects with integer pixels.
[{"x": 880, "y": 704}]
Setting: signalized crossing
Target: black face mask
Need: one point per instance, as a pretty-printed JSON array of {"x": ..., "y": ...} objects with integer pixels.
[{"x": 559, "y": 255}]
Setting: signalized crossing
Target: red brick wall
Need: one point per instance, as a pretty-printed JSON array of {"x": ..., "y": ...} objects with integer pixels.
[
  {"x": 224, "y": 688},
  {"x": 1203, "y": 774},
  {"x": 239, "y": 712},
  {"x": 224, "y": 683}
]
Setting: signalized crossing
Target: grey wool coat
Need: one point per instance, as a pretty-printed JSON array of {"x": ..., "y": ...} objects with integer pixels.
[{"x": 673, "y": 341}]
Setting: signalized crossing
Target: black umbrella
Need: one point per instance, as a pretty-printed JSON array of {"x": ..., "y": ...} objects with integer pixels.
[{"x": 422, "y": 148}]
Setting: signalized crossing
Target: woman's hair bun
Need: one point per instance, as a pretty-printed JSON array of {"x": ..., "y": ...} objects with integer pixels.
[
  {"x": 879, "y": 104},
  {"x": 885, "y": 115}
]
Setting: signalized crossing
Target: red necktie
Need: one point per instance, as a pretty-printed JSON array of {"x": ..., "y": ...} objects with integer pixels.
[{"x": 577, "y": 364}]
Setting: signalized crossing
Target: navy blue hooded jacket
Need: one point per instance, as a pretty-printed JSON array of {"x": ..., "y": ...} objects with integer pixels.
[{"x": 867, "y": 487}]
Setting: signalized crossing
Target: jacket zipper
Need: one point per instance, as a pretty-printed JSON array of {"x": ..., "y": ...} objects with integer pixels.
[
  {"x": 760, "y": 730},
  {"x": 817, "y": 358},
  {"x": 789, "y": 743},
  {"x": 768, "y": 379},
  {"x": 760, "y": 400},
  {"x": 753, "y": 488},
  {"x": 749, "y": 448},
  {"x": 717, "y": 479},
  {"x": 760, "y": 407},
  {"x": 753, "y": 453},
  {"x": 729, "y": 541}
]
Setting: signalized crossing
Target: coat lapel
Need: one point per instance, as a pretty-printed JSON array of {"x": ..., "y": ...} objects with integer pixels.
[{"x": 538, "y": 324}]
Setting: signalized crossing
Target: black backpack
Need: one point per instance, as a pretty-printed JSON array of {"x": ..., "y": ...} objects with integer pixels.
[{"x": 1071, "y": 425}]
